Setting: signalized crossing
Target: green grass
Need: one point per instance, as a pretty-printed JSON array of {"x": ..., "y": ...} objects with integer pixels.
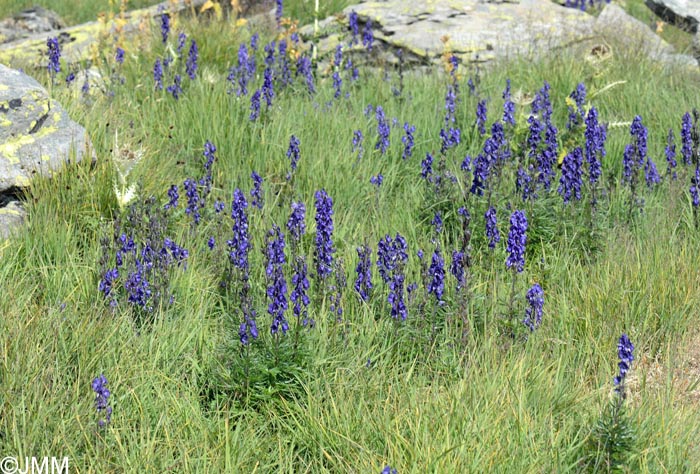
[
  {"x": 73, "y": 12},
  {"x": 467, "y": 398}
]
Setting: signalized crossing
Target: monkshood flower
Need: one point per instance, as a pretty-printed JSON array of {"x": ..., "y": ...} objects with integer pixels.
[
  {"x": 336, "y": 297},
  {"x": 354, "y": 27},
  {"x": 270, "y": 54},
  {"x": 209, "y": 158},
  {"x": 191, "y": 65},
  {"x": 450, "y": 139},
  {"x": 175, "y": 89},
  {"x": 482, "y": 168},
  {"x": 368, "y": 36},
  {"x": 388, "y": 470},
  {"x": 283, "y": 73},
  {"x": 471, "y": 86},
  {"x": 158, "y": 74},
  {"x": 338, "y": 56},
  {"x": 542, "y": 104},
  {"x": 304, "y": 68},
  {"x": 296, "y": 224},
  {"x": 396, "y": 297},
  {"x": 173, "y": 196},
  {"x": 450, "y": 104},
  {"x": 595, "y": 145},
  {"x": 363, "y": 282},
  {"x": 164, "y": 26},
  {"x": 239, "y": 245},
  {"x": 517, "y": 240},
  {"x": 119, "y": 55},
  {"x": 651, "y": 174},
  {"x": 300, "y": 287},
  {"x": 137, "y": 287},
  {"x": 534, "y": 137},
  {"x": 255, "y": 106},
  {"x": 670, "y": 150},
  {"x": 99, "y": 386},
  {"x": 324, "y": 250},
  {"x": 256, "y": 196},
  {"x": 548, "y": 157},
  {"x": 268, "y": 88},
  {"x": 408, "y": 140},
  {"x": 377, "y": 180},
  {"x": 524, "y": 184},
  {"x": 625, "y": 352},
  {"x": 686, "y": 138},
  {"x": 492, "y": 232},
  {"x": 391, "y": 255},
  {"x": 508, "y": 106},
  {"x": 640, "y": 133},
  {"x": 241, "y": 74},
  {"x": 337, "y": 85},
  {"x": 383, "y": 130},
  {"x": 437, "y": 223},
  {"x": 278, "y": 12},
  {"x": 427, "y": 166},
  {"x": 459, "y": 262},
  {"x": 219, "y": 206},
  {"x": 107, "y": 283},
  {"x": 171, "y": 251},
  {"x": 571, "y": 176},
  {"x": 576, "y": 101},
  {"x": 248, "y": 328},
  {"x": 535, "y": 301},
  {"x": 357, "y": 139},
  {"x": 181, "y": 39},
  {"x": 481, "y": 116},
  {"x": 211, "y": 243},
  {"x": 695, "y": 187},
  {"x": 70, "y": 78},
  {"x": 293, "y": 153},
  {"x": 276, "y": 282},
  {"x": 192, "y": 194},
  {"x": 436, "y": 274}
]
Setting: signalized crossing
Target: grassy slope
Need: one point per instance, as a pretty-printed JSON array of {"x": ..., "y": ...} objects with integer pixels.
[{"x": 444, "y": 407}]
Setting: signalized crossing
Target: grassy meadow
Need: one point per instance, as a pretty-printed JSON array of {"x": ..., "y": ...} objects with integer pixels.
[{"x": 460, "y": 384}]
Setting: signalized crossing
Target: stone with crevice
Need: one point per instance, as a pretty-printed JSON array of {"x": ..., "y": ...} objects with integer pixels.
[
  {"x": 37, "y": 137},
  {"x": 478, "y": 32}
]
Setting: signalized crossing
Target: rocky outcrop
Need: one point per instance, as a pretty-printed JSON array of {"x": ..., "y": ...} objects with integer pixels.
[
  {"x": 76, "y": 41},
  {"x": 36, "y": 138},
  {"x": 28, "y": 22},
  {"x": 684, "y": 14},
  {"x": 614, "y": 22},
  {"x": 474, "y": 31}
]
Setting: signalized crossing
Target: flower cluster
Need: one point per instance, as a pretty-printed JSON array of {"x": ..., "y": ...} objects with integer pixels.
[
  {"x": 383, "y": 130},
  {"x": 276, "y": 282},
  {"x": 54, "y": 64},
  {"x": 239, "y": 245},
  {"x": 492, "y": 228},
  {"x": 517, "y": 239},
  {"x": 625, "y": 351},
  {"x": 408, "y": 140},
  {"x": 533, "y": 313},
  {"x": 391, "y": 260},
  {"x": 99, "y": 386},
  {"x": 293, "y": 154},
  {"x": 436, "y": 274},
  {"x": 324, "y": 250},
  {"x": 363, "y": 283},
  {"x": 256, "y": 195},
  {"x": 571, "y": 175}
]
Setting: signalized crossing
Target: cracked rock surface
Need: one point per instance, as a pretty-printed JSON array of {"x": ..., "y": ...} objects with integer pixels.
[{"x": 36, "y": 137}]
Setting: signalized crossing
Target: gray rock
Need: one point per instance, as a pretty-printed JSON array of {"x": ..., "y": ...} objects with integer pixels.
[
  {"x": 76, "y": 41},
  {"x": 682, "y": 13},
  {"x": 472, "y": 30},
  {"x": 36, "y": 137},
  {"x": 12, "y": 216},
  {"x": 28, "y": 22},
  {"x": 615, "y": 23}
]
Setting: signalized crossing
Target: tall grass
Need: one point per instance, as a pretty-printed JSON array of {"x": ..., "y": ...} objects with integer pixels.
[{"x": 377, "y": 392}]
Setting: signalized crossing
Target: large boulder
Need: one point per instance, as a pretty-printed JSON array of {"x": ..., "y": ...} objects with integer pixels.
[
  {"x": 682, "y": 13},
  {"x": 614, "y": 22},
  {"x": 76, "y": 41},
  {"x": 482, "y": 31},
  {"x": 28, "y": 22},
  {"x": 473, "y": 30},
  {"x": 36, "y": 138}
]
